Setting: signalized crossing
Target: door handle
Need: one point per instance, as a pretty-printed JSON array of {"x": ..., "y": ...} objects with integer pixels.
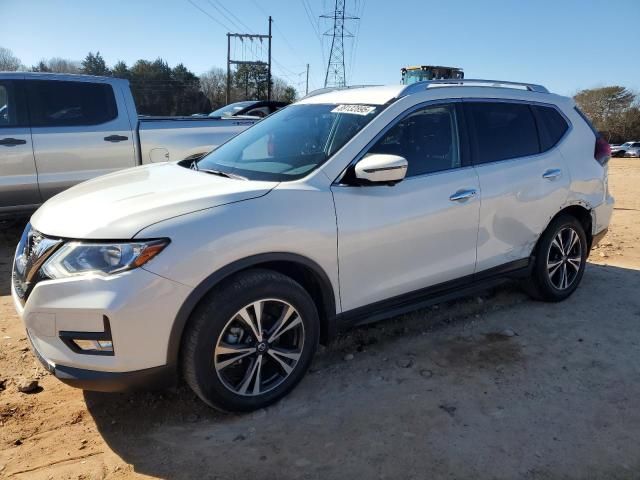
[
  {"x": 115, "y": 138},
  {"x": 552, "y": 174},
  {"x": 463, "y": 195},
  {"x": 12, "y": 142}
]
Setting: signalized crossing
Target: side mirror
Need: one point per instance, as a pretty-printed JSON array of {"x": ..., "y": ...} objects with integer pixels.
[{"x": 381, "y": 168}]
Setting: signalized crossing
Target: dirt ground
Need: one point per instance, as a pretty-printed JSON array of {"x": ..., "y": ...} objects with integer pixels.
[{"x": 493, "y": 386}]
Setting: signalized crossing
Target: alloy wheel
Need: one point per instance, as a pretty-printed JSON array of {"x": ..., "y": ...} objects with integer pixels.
[
  {"x": 564, "y": 259},
  {"x": 259, "y": 347}
]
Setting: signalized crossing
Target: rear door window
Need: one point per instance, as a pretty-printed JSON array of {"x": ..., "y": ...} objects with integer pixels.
[
  {"x": 551, "y": 125},
  {"x": 502, "y": 130},
  {"x": 56, "y": 103}
]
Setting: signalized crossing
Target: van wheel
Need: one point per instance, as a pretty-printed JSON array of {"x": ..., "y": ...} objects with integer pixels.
[
  {"x": 250, "y": 341},
  {"x": 561, "y": 257}
]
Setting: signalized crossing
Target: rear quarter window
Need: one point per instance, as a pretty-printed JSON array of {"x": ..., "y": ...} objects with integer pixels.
[
  {"x": 551, "y": 125},
  {"x": 58, "y": 103}
]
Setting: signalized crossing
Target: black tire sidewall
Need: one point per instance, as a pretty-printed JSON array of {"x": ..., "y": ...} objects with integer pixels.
[
  {"x": 541, "y": 277},
  {"x": 219, "y": 308}
]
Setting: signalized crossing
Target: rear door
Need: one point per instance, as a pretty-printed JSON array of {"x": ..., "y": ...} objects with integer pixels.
[
  {"x": 523, "y": 178},
  {"x": 80, "y": 130},
  {"x": 18, "y": 175}
]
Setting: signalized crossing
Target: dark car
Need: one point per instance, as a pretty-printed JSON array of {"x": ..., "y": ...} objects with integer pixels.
[{"x": 251, "y": 108}]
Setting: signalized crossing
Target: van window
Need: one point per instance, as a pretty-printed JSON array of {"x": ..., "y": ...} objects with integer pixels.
[
  {"x": 551, "y": 125},
  {"x": 427, "y": 139},
  {"x": 54, "y": 103},
  {"x": 502, "y": 130}
]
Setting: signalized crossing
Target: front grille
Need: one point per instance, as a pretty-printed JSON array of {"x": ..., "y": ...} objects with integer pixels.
[{"x": 33, "y": 250}]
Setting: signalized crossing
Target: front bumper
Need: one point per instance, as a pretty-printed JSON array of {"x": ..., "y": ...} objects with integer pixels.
[
  {"x": 140, "y": 307},
  {"x": 150, "y": 378}
]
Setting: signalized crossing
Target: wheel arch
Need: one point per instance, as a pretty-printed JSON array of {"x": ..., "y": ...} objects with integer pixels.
[
  {"x": 302, "y": 269},
  {"x": 582, "y": 212}
]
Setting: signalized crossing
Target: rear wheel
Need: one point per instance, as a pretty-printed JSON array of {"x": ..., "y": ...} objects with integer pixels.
[
  {"x": 251, "y": 341},
  {"x": 560, "y": 260}
]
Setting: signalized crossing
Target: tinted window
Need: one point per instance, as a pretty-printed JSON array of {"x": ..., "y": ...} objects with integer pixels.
[
  {"x": 54, "y": 103},
  {"x": 12, "y": 112},
  {"x": 427, "y": 138},
  {"x": 503, "y": 130},
  {"x": 551, "y": 124}
]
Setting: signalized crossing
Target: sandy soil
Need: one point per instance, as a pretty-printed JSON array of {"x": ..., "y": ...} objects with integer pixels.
[{"x": 440, "y": 393}]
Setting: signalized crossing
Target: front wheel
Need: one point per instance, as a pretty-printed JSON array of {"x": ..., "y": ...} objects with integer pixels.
[
  {"x": 251, "y": 341},
  {"x": 560, "y": 260}
]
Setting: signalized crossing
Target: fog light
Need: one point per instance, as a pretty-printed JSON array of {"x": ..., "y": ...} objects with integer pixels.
[{"x": 90, "y": 343}]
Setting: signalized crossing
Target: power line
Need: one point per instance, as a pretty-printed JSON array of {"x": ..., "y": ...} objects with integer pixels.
[
  {"x": 219, "y": 10},
  {"x": 354, "y": 46},
  {"x": 244, "y": 25},
  {"x": 251, "y": 46},
  {"x": 335, "y": 75},
  {"x": 209, "y": 15}
]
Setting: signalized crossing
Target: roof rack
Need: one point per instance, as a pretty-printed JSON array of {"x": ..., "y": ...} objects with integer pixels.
[
  {"x": 420, "y": 86},
  {"x": 320, "y": 91}
]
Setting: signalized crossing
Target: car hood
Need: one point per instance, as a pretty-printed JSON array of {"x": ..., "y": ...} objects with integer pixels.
[{"x": 118, "y": 205}]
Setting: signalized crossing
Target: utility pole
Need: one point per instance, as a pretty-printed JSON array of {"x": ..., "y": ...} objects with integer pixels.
[
  {"x": 230, "y": 61},
  {"x": 335, "y": 76},
  {"x": 228, "y": 68},
  {"x": 307, "y": 88},
  {"x": 269, "y": 74}
]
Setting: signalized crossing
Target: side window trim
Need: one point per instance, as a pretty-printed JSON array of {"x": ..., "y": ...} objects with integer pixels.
[{"x": 465, "y": 159}]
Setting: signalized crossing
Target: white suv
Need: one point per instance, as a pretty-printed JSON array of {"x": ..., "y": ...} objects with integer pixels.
[{"x": 346, "y": 207}]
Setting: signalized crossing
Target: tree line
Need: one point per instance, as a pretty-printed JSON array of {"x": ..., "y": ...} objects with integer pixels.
[
  {"x": 159, "y": 89},
  {"x": 614, "y": 111}
]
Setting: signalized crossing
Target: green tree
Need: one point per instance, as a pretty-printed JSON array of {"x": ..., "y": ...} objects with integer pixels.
[
  {"x": 95, "y": 65},
  {"x": 606, "y": 108},
  {"x": 250, "y": 82},
  {"x": 120, "y": 70}
]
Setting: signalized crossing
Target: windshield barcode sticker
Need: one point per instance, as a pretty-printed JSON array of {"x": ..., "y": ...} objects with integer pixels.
[{"x": 354, "y": 109}]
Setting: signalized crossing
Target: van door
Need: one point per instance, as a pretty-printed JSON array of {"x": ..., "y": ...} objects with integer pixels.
[
  {"x": 18, "y": 175},
  {"x": 80, "y": 130},
  {"x": 522, "y": 175}
]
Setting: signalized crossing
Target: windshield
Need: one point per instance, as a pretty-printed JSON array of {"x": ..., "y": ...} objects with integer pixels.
[
  {"x": 290, "y": 143},
  {"x": 231, "y": 109}
]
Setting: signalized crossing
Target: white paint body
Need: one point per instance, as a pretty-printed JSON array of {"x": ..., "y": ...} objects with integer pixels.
[{"x": 372, "y": 242}]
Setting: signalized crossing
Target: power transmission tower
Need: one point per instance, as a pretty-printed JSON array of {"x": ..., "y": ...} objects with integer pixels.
[{"x": 335, "y": 76}]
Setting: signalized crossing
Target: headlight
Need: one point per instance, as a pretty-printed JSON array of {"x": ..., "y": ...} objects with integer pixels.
[{"x": 78, "y": 258}]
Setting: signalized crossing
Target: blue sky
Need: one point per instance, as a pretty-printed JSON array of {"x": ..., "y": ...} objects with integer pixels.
[{"x": 563, "y": 44}]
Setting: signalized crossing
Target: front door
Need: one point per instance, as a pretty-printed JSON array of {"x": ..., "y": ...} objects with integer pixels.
[{"x": 420, "y": 232}]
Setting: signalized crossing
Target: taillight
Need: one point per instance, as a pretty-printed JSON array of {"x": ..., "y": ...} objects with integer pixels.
[{"x": 603, "y": 150}]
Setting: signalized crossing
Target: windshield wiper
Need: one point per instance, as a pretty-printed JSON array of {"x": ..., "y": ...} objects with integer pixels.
[{"x": 220, "y": 173}]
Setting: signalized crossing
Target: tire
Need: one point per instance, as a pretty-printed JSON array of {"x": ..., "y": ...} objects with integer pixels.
[
  {"x": 556, "y": 275},
  {"x": 231, "y": 366}
]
